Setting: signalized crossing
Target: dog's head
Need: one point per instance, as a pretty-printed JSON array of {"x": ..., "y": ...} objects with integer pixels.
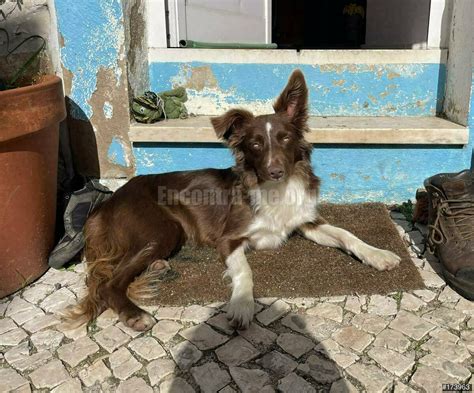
[{"x": 270, "y": 145}]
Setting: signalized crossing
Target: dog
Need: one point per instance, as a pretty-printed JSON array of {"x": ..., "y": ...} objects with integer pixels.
[{"x": 270, "y": 193}]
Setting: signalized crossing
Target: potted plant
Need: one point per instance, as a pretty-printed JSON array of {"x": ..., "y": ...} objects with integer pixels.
[{"x": 31, "y": 108}]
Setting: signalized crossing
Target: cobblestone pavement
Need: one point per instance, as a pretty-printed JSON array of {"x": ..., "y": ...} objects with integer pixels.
[{"x": 411, "y": 341}]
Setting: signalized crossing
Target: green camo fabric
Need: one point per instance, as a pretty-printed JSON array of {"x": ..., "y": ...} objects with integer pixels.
[{"x": 151, "y": 107}]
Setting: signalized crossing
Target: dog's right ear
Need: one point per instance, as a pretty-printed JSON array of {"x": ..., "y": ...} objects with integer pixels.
[{"x": 227, "y": 125}]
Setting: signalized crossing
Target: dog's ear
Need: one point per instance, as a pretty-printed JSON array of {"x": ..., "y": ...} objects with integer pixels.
[
  {"x": 293, "y": 100},
  {"x": 230, "y": 122}
]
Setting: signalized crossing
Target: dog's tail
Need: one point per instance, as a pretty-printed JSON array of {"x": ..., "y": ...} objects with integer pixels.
[{"x": 102, "y": 254}]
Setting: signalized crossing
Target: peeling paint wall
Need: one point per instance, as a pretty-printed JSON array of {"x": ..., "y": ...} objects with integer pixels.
[
  {"x": 93, "y": 59},
  {"x": 335, "y": 89}
]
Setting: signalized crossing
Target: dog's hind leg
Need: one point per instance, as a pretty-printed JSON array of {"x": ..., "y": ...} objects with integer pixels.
[{"x": 331, "y": 236}]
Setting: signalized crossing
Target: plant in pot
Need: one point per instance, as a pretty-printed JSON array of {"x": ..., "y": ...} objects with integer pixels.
[{"x": 31, "y": 108}]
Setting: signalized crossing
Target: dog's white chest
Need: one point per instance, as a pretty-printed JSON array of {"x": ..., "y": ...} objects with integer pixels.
[{"x": 279, "y": 210}]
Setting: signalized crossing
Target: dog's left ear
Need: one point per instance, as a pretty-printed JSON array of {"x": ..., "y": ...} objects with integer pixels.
[
  {"x": 293, "y": 100},
  {"x": 228, "y": 125}
]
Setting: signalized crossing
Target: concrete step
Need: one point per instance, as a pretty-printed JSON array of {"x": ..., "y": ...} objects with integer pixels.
[{"x": 323, "y": 130}]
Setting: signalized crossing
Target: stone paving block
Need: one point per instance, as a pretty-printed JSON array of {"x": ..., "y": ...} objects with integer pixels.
[
  {"x": 448, "y": 295},
  {"x": 327, "y": 310},
  {"x": 454, "y": 370},
  {"x": 300, "y": 302},
  {"x": 274, "y": 312},
  {"x": 312, "y": 326},
  {"x": 106, "y": 319},
  {"x": 173, "y": 313},
  {"x": 220, "y": 322},
  {"x": 27, "y": 315},
  {"x": 249, "y": 380},
  {"x": 445, "y": 317},
  {"x": 294, "y": 383},
  {"x": 266, "y": 301},
  {"x": 197, "y": 314},
  {"x": 425, "y": 294},
  {"x": 370, "y": 323},
  {"x": 47, "y": 339},
  {"x": 58, "y": 301},
  {"x": 49, "y": 375},
  {"x": 320, "y": 369},
  {"x": 37, "y": 292},
  {"x": 392, "y": 339},
  {"x": 123, "y": 364},
  {"x": 69, "y": 386},
  {"x": 17, "y": 353},
  {"x": 429, "y": 379},
  {"x": 175, "y": 385},
  {"x": 444, "y": 335},
  {"x": 95, "y": 373},
  {"x": 159, "y": 369},
  {"x": 467, "y": 339},
  {"x": 332, "y": 350},
  {"x": 236, "y": 352},
  {"x": 10, "y": 380},
  {"x": 370, "y": 377},
  {"x": 185, "y": 354},
  {"x": 147, "y": 348},
  {"x": 210, "y": 377},
  {"x": 203, "y": 336},
  {"x": 418, "y": 262},
  {"x": 129, "y": 331},
  {"x": 277, "y": 364},
  {"x": 354, "y": 304},
  {"x": 227, "y": 389},
  {"x": 343, "y": 386},
  {"x": 31, "y": 362},
  {"x": 402, "y": 388},
  {"x": 352, "y": 337},
  {"x": 411, "y": 325},
  {"x": 111, "y": 338},
  {"x": 3, "y": 307},
  {"x": 134, "y": 385},
  {"x": 60, "y": 277},
  {"x": 40, "y": 323},
  {"x": 449, "y": 351},
  {"x": 465, "y": 306},
  {"x": 411, "y": 303},
  {"x": 6, "y": 324},
  {"x": 77, "y": 351},
  {"x": 164, "y": 330},
  {"x": 12, "y": 337},
  {"x": 382, "y": 305},
  {"x": 294, "y": 344},
  {"x": 72, "y": 332},
  {"x": 18, "y": 305},
  {"x": 391, "y": 361},
  {"x": 258, "y": 335},
  {"x": 432, "y": 280}
]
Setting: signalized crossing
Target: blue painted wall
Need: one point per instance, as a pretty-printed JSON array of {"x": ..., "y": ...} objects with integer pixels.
[{"x": 335, "y": 89}]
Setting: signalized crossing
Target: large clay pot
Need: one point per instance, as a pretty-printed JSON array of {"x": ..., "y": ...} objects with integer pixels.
[{"x": 29, "y": 133}]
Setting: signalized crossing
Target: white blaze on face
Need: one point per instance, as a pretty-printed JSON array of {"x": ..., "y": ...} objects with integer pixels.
[{"x": 268, "y": 128}]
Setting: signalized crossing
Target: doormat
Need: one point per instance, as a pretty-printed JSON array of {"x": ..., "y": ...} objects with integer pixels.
[{"x": 300, "y": 268}]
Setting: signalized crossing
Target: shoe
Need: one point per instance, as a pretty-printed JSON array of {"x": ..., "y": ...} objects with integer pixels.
[
  {"x": 80, "y": 205},
  {"x": 451, "y": 227}
]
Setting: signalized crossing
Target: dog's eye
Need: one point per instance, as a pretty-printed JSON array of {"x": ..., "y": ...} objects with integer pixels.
[
  {"x": 286, "y": 139},
  {"x": 256, "y": 146}
]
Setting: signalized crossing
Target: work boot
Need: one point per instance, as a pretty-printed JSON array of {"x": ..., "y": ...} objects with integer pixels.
[{"x": 451, "y": 227}]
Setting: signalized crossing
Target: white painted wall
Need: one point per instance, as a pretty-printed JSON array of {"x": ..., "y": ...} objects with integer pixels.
[
  {"x": 459, "y": 66},
  {"x": 440, "y": 23}
]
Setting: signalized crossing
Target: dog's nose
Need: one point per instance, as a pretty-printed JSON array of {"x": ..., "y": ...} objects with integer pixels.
[{"x": 276, "y": 172}]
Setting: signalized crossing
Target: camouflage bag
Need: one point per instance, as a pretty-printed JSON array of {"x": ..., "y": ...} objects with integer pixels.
[{"x": 151, "y": 107}]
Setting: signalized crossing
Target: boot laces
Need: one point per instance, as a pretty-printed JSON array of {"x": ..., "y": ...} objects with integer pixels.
[{"x": 460, "y": 216}]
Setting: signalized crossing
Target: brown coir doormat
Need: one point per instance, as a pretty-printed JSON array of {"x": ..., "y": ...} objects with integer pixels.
[{"x": 300, "y": 268}]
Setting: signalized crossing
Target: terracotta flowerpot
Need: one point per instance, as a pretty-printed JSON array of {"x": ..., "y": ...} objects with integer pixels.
[{"x": 29, "y": 133}]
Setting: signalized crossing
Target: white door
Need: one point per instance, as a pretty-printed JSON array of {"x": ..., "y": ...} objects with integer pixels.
[{"x": 247, "y": 21}]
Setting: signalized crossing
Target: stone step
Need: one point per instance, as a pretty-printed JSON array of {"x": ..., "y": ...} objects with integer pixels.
[{"x": 323, "y": 130}]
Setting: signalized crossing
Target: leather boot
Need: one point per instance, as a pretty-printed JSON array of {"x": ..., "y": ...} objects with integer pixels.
[{"x": 451, "y": 227}]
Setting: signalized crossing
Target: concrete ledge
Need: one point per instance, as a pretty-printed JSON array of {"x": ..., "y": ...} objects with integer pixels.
[{"x": 324, "y": 130}]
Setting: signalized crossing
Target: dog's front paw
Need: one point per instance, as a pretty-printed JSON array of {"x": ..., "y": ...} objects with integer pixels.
[
  {"x": 240, "y": 312},
  {"x": 141, "y": 322},
  {"x": 381, "y": 259}
]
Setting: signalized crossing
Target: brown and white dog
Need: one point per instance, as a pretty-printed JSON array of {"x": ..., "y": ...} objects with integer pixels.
[{"x": 270, "y": 193}]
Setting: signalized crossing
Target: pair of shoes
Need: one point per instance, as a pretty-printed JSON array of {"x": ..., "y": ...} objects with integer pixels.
[
  {"x": 451, "y": 227},
  {"x": 80, "y": 205}
]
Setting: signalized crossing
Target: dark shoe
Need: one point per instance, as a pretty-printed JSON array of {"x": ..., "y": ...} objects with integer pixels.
[
  {"x": 451, "y": 227},
  {"x": 80, "y": 205}
]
